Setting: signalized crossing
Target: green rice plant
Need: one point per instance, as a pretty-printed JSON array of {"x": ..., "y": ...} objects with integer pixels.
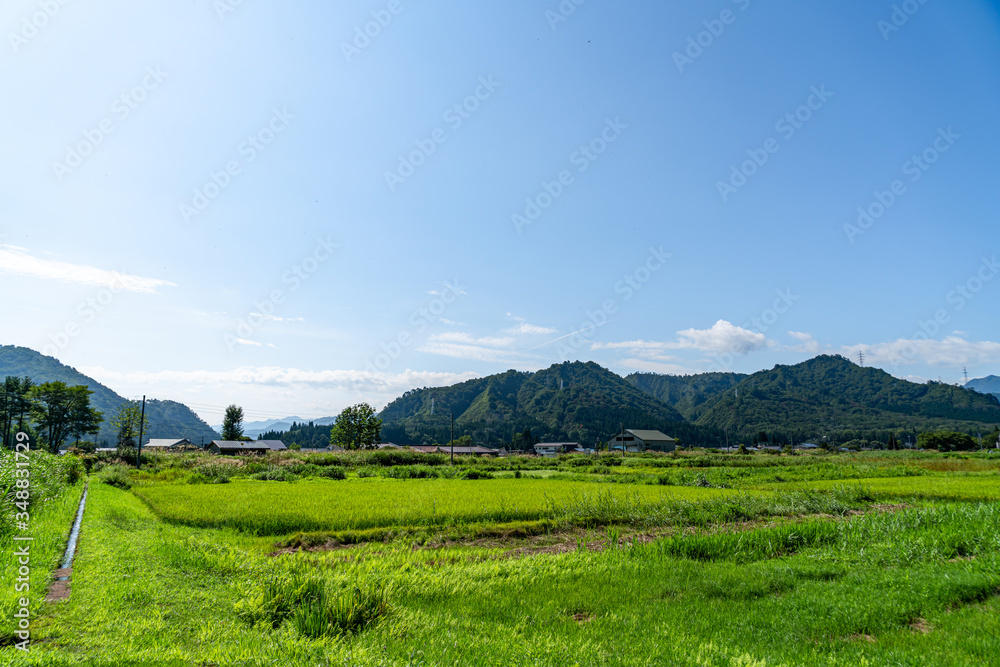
[
  {"x": 752, "y": 545},
  {"x": 349, "y": 611}
]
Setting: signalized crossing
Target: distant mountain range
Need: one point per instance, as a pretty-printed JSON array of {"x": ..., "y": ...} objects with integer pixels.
[
  {"x": 255, "y": 429},
  {"x": 167, "y": 419},
  {"x": 580, "y": 402},
  {"x": 986, "y": 385},
  {"x": 583, "y": 402}
]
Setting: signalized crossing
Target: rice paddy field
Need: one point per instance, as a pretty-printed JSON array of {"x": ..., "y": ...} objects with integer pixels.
[{"x": 689, "y": 560}]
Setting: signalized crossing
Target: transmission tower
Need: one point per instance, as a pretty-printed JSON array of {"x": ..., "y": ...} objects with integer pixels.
[{"x": 861, "y": 358}]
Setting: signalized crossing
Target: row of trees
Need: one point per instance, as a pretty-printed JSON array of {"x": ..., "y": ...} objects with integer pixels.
[{"x": 54, "y": 412}]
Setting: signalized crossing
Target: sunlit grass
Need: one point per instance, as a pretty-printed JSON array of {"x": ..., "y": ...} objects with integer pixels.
[{"x": 278, "y": 508}]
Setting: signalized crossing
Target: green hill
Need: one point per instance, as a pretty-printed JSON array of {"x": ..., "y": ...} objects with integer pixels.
[
  {"x": 832, "y": 396},
  {"x": 167, "y": 419},
  {"x": 688, "y": 394},
  {"x": 580, "y": 402}
]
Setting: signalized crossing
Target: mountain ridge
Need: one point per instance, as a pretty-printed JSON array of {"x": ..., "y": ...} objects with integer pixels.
[{"x": 167, "y": 419}]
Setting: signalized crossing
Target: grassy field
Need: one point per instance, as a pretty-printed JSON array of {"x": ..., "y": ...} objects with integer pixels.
[
  {"x": 957, "y": 487},
  {"x": 816, "y": 570},
  {"x": 274, "y": 509}
]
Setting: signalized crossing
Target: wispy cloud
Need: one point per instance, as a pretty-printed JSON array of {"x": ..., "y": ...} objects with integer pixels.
[
  {"x": 951, "y": 352},
  {"x": 19, "y": 261},
  {"x": 348, "y": 380},
  {"x": 723, "y": 337},
  {"x": 464, "y": 346},
  {"x": 523, "y": 327}
]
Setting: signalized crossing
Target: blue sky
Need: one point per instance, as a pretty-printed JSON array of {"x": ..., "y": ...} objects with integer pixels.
[{"x": 259, "y": 203}]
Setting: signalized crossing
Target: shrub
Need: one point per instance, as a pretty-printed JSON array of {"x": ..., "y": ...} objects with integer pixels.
[
  {"x": 332, "y": 473},
  {"x": 116, "y": 475},
  {"x": 472, "y": 473}
]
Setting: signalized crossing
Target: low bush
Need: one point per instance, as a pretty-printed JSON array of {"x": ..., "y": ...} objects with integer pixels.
[{"x": 116, "y": 475}]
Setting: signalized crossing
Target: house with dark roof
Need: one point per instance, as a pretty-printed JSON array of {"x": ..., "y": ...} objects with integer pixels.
[
  {"x": 233, "y": 447},
  {"x": 641, "y": 440},
  {"x": 274, "y": 445}
]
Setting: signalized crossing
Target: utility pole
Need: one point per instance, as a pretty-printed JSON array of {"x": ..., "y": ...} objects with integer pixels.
[
  {"x": 622, "y": 427},
  {"x": 138, "y": 449},
  {"x": 453, "y": 438}
]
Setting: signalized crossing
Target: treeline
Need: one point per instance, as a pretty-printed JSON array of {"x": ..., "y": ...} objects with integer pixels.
[{"x": 306, "y": 436}]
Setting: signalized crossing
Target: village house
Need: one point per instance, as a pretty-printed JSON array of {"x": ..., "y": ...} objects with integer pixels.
[{"x": 639, "y": 440}]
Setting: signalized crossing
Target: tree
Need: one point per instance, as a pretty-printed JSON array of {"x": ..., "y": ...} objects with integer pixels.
[
  {"x": 84, "y": 420},
  {"x": 232, "y": 423},
  {"x": 60, "y": 411},
  {"x": 357, "y": 427},
  {"x": 14, "y": 406},
  {"x": 947, "y": 441},
  {"x": 127, "y": 422}
]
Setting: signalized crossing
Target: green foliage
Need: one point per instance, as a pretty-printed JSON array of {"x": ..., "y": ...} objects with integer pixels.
[
  {"x": 357, "y": 427},
  {"x": 59, "y": 412},
  {"x": 831, "y": 396},
  {"x": 947, "y": 441},
  {"x": 127, "y": 422},
  {"x": 116, "y": 476},
  {"x": 232, "y": 424},
  {"x": 580, "y": 402}
]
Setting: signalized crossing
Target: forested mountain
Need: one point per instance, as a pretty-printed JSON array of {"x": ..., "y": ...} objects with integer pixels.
[
  {"x": 688, "y": 394},
  {"x": 167, "y": 419},
  {"x": 832, "y": 396},
  {"x": 580, "y": 402},
  {"x": 311, "y": 435},
  {"x": 986, "y": 385}
]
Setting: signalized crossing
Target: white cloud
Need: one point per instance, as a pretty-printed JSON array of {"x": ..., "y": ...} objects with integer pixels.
[
  {"x": 953, "y": 351},
  {"x": 722, "y": 338},
  {"x": 275, "y": 318},
  {"x": 808, "y": 344},
  {"x": 464, "y": 346},
  {"x": 529, "y": 329},
  {"x": 18, "y": 261},
  {"x": 283, "y": 377},
  {"x": 248, "y": 343}
]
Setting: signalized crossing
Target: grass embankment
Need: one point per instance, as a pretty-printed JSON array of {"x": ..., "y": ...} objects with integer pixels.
[
  {"x": 968, "y": 487},
  {"x": 55, "y": 490},
  {"x": 276, "y": 509},
  {"x": 917, "y": 587}
]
